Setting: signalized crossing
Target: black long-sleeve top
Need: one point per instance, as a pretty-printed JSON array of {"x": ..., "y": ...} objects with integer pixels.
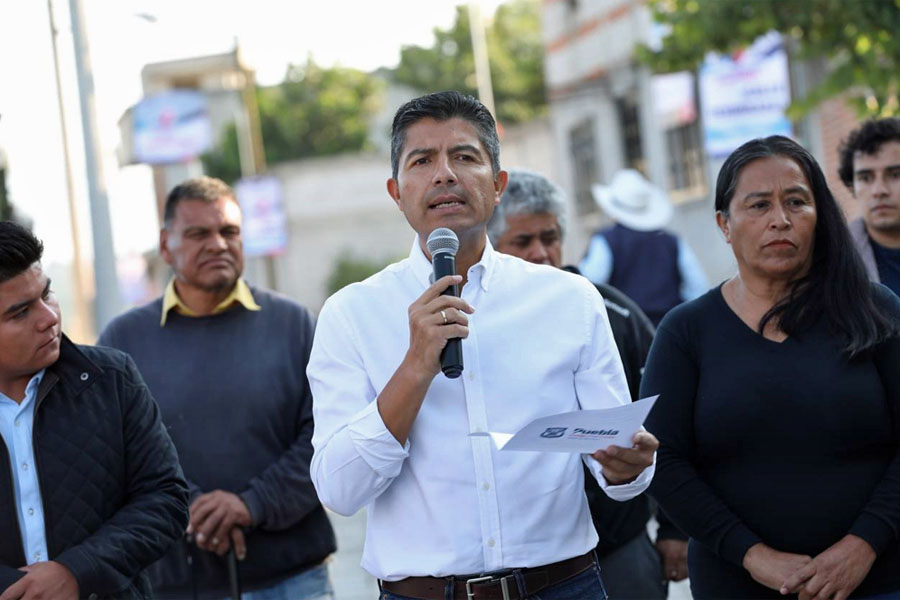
[{"x": 790, "y": 444}]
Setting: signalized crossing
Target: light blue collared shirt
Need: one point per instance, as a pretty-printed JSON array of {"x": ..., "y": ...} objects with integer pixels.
[{"x": 16, "y": 427}]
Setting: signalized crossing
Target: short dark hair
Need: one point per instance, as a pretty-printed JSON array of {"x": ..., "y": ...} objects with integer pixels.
[
  {"x": 205, "y": 189},
  {"x": 527, "y": 193},
  {"x": 836, "y": 285},
  {"x": 868, "y": 140},
  {"x": 443, "y": 106},
  {"x": 19, "y": 249}
]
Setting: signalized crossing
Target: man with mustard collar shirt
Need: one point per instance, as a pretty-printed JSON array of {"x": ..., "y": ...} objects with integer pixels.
[{"x": 226, "y": 363}]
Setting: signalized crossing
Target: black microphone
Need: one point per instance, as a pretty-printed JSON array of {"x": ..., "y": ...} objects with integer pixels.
[{"x": 442, "y": 245}]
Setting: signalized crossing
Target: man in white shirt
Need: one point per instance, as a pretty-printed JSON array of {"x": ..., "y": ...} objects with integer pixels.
[{"x": 448, "y": 515}]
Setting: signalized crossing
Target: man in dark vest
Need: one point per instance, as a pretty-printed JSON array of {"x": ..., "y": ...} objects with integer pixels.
[
  {"x": 653, "y": 267},
  {"x": 227, "y": 363},
  {"x": 530, "y": 223}
]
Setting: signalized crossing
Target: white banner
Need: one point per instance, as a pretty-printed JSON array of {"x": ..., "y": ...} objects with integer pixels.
[
  {"x": 264, "y": 225},
  {"x": 744, "y": 96},
  {"x": 171, "y": 127}
]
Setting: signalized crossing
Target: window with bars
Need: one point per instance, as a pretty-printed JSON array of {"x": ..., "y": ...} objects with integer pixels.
[
  {"x": 684, "y": 153},
  {"x": 629, "y": 120},
  {"x": 583, "y": 151}
]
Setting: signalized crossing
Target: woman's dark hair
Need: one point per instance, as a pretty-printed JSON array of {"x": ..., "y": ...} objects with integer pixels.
[
  {"x": 836, "y": 285},
  {"x": 19, "y": 249}
]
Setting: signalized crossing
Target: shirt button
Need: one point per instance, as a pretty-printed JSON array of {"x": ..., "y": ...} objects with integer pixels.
[
  {"x": 486, "y": 486},
  {"x": 30, "y": 512},
  {"x": 471, "y": 376},
  {"x": 16, "y": 422},
  {"x": 24, "y": 466},
  {"x": 84, "y": 376},
  {"x": 491, "y": 542},
  {"x": 37, "y": 556}
]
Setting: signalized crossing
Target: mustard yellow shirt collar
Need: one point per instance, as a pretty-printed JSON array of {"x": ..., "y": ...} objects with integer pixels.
[{"x": 241, "y": 294}]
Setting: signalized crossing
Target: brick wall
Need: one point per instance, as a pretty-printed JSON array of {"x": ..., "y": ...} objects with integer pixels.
[{"x": 837, "y": 120}]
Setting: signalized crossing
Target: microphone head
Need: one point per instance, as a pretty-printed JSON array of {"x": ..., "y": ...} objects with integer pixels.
[{"x": 442, "y": 239}]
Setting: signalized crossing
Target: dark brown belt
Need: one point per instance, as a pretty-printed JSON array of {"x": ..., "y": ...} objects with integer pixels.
[{"x": 503, "y": 585}]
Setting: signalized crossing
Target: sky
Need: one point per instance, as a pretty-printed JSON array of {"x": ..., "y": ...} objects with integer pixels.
[{"x": 123, "y": 36}]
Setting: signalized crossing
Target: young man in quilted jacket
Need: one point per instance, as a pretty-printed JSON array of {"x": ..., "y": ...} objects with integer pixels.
[{"x": 91, "y": 492}]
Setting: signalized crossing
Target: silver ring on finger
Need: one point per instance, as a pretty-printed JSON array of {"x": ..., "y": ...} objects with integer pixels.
[{"x": 444, "y": 316}]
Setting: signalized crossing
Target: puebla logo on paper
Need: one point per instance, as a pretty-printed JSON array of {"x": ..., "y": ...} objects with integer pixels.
[
  {"x": 594, "y": 434},
  {"x": 554, "y": 432}
]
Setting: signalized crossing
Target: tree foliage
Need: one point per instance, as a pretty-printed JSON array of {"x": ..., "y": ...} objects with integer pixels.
[
  {"x": 515, "y": 54},
  {"x": 350, "y": 269},
  {"x": 858, "y": 40},
  {"x": 315, "y": 111}
]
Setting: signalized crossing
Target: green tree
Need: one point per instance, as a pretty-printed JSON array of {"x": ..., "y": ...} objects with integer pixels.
[
  {"x": 515, "y": 53},
  {"x": 858, "y": 40},
  {"x": 350, "y": 269},
  {"x": 315, "y": 111}
]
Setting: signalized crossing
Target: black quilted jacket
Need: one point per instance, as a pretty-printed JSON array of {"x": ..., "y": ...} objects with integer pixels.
[{"x": 113, "y": 492}]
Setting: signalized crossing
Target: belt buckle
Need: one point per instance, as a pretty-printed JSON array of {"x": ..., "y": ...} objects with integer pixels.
[{"x": 504, "y": 587}]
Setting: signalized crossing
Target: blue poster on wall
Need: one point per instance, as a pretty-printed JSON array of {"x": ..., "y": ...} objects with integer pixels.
[
  {"x": 171, "y": 127},
  {"x": 264, "y": 229}
]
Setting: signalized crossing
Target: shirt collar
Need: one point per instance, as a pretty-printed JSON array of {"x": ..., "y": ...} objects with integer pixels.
[
  {"x": 480, "y": 273},
  {"x": 30, "y": 390},
  {"x": 240, "y": 293}
]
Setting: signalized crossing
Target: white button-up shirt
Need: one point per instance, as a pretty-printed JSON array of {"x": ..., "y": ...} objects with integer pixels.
[
  {"x": 448, "y": 503},
  {"x": 16, "y": 426}
]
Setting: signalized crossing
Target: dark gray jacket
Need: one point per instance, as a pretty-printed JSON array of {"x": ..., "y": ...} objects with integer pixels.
[
  {"x": 113, "y": 493},
  {"x": 864, "y": 247}
]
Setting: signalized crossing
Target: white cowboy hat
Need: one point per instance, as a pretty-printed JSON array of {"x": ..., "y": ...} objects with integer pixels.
[{"x": 633, "y": 201}]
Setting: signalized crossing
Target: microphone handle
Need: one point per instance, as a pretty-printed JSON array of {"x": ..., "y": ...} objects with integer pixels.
[{"x": 444, "y": 264}]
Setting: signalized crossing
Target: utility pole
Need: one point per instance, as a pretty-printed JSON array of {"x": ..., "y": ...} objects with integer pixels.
[
  {"x": 480, "y": 54},
  {"x": 83, "y": 331},
  {"x": 107, "y": 300},
  {"x": 250, "y": 143}
]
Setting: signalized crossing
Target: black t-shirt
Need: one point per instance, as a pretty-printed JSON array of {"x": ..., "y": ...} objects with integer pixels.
[
  {"x": 790, "y": 444},
  {"x": 888, "y": 261}
]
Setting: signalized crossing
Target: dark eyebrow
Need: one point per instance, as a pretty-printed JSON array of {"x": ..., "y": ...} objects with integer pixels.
[
  {"x": 459, "y": 148},
  {"x": 754, "y": 195},
  {"x": 418, "y": 151},
  {"x": 871, "y": 170},
  {"x": 798, "y": 189},
  {"x": 20, "y": 305},
  {"x": 465, "y": 148}
]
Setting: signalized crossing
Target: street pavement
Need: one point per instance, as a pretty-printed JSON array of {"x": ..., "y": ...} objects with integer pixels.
[{"x": 350, "y": 581}]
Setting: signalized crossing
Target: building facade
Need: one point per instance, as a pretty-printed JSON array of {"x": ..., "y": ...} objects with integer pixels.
[{"x": 608, "y": 112}]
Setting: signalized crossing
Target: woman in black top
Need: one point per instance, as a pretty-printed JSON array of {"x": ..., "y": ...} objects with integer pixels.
[{"x": 779, "y": 409}]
